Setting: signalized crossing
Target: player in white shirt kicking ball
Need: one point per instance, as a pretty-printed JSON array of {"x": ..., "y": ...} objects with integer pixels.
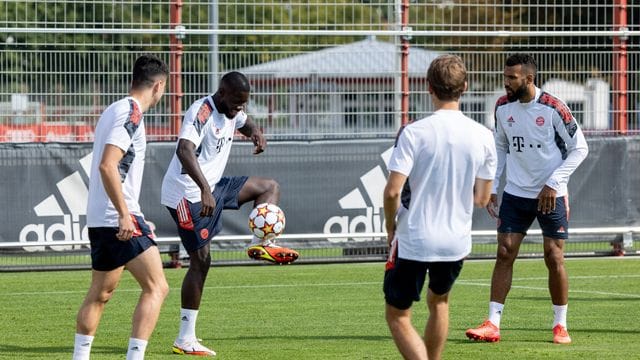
[
  {"x": 440, "y": 167},
  {"x": 541, "y": 144},
  {"x": 119, "y": 235},
  {"x": 195, "y": 193}
]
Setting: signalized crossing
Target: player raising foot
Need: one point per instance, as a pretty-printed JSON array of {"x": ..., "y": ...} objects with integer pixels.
[
  {"x": 486, "y": 332},
  {"x": 269, "y": 251},
  {"x": 191, "y": 347}
]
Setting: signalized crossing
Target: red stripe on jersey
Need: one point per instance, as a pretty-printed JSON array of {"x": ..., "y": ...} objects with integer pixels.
[
  {"x": 557, "y": 105},
  {"x": 502, "y": 100},
  {"x": 135, "y": 115},
  {"x": 204, "y": 112}
]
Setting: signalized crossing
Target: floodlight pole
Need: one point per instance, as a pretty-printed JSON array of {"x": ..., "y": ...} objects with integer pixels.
[{"x": 620, "y": 68}]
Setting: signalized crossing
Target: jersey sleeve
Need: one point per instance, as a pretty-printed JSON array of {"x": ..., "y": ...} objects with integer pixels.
[
  {"x": 577, "y": 149},
  {"x": 193, "y": 124},
  {"x": 403, "y": 154},
  {"x": 502, "y": 148},
  {"x": 126, "y": 123},
  {"x": 488, "y": 169}
]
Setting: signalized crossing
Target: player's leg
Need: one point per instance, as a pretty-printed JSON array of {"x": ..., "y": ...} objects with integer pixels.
[
  {"x": 442, "y": 276},
  {"x": 437, "y": 328},
  {"x": 515, "y": 217},
  {"x": 403, "y": 283},
  {"x": 146, "y": 268},
  {"x": 555, "y": 227},
  {"x": 103, "y": 284},
  {"x": 259, "y": 190},
  {"x": 405, "y": 336},
  {"x": 195, "y": 233}
]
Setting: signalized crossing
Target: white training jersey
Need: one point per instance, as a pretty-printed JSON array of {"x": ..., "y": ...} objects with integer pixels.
[
  {"x": 540, "y": 142},
  {"x": 442, "y": 155},
  {"x": 121, "y": 124},
  {"x": 212, "y": 133}
]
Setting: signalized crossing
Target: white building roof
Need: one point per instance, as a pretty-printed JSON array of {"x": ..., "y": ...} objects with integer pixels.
[{"x": 368, "y": 58}]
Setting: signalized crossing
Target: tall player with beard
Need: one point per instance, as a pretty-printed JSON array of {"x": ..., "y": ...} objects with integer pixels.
[{"x": 540, "y": 143}]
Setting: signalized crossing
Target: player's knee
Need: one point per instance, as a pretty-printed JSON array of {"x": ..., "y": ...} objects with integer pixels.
[
  {"x": 272, "y": 186},
  {"x": 104, "y": 296},
  {"x": 506, "y": 253}
]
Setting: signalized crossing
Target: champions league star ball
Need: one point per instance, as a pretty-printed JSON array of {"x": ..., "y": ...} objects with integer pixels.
[{"x": 266, "y": 221}]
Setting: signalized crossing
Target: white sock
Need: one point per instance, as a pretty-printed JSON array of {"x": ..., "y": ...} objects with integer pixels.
[
  {"x": 255, "y": 241},
  {"x": 560, "y": 315},
  {"x": 188, "y": 319},
  {"x": 495, "y": 313},
  {"x": 136, "y": 349},
  {"x": 82, "y": 347}
]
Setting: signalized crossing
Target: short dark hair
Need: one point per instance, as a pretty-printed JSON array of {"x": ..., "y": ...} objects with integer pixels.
[
  {"x": 146, "y": 71},
  {"x": 235, "y": 81},
  {"x": 447, "y": 76},
  {"x": 526, "y": 60}
]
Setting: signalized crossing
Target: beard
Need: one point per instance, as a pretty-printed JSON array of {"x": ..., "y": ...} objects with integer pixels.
[{"x": 517, "y": 94}]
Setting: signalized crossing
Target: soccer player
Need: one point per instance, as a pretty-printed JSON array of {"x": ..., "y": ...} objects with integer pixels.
[
  {"x": 119, "y": 235},
  {"x": 440, "y": 167},
  {"x": 541, "y": 144},
  {"x": 195, "y": 192}
]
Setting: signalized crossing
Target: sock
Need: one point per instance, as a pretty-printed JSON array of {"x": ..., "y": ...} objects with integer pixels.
[
  {"x": 136, "y": 349},
  {"x": 188, "y": 319},
  {"x": 495, "y": 313},
  {"x": 560, "y": 315},
  {"x": 82, "y": 347},
  {"x": 255, "y": 241}
]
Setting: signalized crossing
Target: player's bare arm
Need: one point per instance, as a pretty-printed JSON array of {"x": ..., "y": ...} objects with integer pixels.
[
  {"x": 186, "y": 153},
  {"x": 251, "y": 130},
  {"x": 392, "y": 201},
  {"x": 113, "y": 187},
  {"x": 482, "y": 195},
  {"x": 547, "y": 200}
]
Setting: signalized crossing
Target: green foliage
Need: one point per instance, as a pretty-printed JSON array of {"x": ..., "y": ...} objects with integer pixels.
[{"x": 330, "y": 312}]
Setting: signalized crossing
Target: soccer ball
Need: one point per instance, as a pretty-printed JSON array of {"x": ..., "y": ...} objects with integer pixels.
[{"x": 266, "y": 221}]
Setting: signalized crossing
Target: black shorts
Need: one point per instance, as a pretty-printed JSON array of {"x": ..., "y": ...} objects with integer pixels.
[
  {"x": 403, "y": 282},
  {"x": 517, "y": 215},
  {"x": 108, "y": 253},
  {"x": 195, "y": 231}
]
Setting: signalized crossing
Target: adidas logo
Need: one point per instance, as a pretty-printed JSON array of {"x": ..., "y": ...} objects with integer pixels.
[
  {"x": 135, "y": 348},
  {"x": 184, "y": 318},
  {"x": 74, "y": 193},
  {"x": 369, "y": 200}
]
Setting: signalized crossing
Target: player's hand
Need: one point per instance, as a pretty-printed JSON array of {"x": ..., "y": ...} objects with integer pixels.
[
  {"x": 259, "y": 141},
  {"x": 492, "y": 206},
  {"x": 125, "y": 228},
  {"x": 547, "y": 200},
  {"x": 208, "y": 204}
]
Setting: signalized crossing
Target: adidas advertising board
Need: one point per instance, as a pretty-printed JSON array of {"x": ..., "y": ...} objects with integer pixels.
[{"x": 326, "y": 187}]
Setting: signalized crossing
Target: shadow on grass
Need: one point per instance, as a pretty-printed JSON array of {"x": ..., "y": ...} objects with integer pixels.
[
  {"x": 300, "y": 337},
  {"x": 30, "y": 351}
]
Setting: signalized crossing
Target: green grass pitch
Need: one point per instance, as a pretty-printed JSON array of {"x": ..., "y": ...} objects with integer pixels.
[{"x": 330, "y": 312}]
